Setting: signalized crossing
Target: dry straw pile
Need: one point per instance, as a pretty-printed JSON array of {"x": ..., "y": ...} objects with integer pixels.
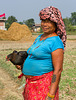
[{"x": 16, "y": 32}]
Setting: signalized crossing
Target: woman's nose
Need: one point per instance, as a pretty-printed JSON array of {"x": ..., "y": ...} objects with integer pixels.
[{"x": 43, "y": 24}]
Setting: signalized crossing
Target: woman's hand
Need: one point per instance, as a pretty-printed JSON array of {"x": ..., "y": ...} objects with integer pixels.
[
  {"x": 18, "y": 67},
  {"x": 48, "y": 98}
]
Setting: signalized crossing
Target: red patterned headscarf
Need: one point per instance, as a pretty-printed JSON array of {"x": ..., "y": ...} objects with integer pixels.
[{"x": 54, "y": 15}]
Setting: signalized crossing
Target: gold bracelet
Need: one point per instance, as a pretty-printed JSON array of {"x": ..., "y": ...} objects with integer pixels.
[{"x": 51, "y": 96}]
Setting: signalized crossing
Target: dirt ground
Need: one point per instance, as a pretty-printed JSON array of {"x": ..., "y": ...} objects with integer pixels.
[
  {"x": 10, "y": 90},
  {"x": 17, "y": 44},
  {"x": 10, "y": 87}
]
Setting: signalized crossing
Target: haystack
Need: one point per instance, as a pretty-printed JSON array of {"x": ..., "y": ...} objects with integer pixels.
[
  {"x": 16, "y": 32},
  {"x": 3, "y": 35}
]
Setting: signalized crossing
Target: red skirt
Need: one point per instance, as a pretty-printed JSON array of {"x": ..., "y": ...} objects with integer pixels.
[{"x": 37, "y": 87}]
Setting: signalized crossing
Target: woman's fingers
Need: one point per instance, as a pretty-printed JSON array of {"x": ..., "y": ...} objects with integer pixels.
[{"x": 18, "y": 67}]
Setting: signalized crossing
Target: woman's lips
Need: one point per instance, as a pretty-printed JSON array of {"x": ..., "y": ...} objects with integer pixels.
[{"x": 45, "y": 28}]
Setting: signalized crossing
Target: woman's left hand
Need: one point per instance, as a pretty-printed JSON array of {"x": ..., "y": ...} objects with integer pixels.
[{"x": 48, "y": 98}]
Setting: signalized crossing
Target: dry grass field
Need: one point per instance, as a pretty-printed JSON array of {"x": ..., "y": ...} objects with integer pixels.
[{"x": 9, "y": 84}]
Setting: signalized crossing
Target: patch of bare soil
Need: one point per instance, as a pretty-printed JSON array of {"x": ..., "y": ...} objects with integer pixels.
[
  {"x": 22, "y": 44},
  {"x": 9, "y": 89}
]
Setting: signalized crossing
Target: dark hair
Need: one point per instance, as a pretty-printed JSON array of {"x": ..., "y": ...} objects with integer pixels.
[{"x": 56, "y": 27}]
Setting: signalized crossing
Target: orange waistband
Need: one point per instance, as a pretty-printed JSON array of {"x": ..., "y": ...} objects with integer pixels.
[{"x": 29, "y": 77}]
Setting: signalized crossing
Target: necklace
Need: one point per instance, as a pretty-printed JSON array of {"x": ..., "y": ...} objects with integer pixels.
[{"x": 35, "y": 47}]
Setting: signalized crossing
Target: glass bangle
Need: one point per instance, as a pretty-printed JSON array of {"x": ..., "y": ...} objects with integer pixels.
[{"x": 51, "y": 96}]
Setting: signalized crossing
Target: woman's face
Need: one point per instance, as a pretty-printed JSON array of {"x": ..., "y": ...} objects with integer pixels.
[{"x": 48, "y": 26}]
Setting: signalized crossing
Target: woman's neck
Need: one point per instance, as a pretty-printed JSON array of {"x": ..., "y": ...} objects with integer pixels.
[
  {"x": 45, "y": 36},
  {"x": 49, "y": 34}
]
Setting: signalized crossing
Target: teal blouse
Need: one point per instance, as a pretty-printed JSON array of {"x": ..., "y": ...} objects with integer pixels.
[{"x": 39, "y": 60}]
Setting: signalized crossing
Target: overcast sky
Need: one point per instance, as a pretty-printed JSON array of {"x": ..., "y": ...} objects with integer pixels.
[{"x": 26, "y": 9}]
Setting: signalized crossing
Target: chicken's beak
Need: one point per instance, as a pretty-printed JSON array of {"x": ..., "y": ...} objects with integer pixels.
[{"x": 7, "y": 59}]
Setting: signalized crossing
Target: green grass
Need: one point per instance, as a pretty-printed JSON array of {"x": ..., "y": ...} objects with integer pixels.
[
  {"x": 67, "y": 32},
  {"x": 68, "y": 79},
  {"x": 71, "y": 39},
  {"x": 71, "y": 32}
]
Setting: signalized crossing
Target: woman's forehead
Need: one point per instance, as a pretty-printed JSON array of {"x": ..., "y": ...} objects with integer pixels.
[{"x": 46, "y": 20}]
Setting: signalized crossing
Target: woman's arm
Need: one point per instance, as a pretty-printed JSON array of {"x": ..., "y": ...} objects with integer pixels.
[{"x": 57, "y": 59}]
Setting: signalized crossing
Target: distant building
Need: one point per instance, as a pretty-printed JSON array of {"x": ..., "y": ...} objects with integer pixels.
[
  {"x": 2, "y": 24},
  {"x": 36, "y": 27}
]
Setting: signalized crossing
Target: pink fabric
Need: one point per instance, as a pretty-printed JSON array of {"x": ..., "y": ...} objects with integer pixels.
[
  {"x": 54, "y": 15},
  {"x": 36, "y": 88},
  {"x": 3, "y": 15},
  {"x": 20, "y": 75}
]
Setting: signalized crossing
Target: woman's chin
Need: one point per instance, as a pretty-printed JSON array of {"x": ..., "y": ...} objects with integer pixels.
[{"x": 46, "y": 32}]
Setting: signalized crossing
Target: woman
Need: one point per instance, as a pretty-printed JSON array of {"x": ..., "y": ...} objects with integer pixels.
[{"x": 44, "y": 63}]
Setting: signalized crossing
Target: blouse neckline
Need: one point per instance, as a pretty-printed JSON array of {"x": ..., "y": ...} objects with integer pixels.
[{"x": 46, "y": 38}]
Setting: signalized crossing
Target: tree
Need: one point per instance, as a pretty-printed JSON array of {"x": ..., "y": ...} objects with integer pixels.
[
  {"x": 4, "y": 18},
  {"x": 73, "y": 18},
  {"x": 29, "y": 23},
  {"x": 20, "y": 23},
  {"x": 7, "y": 25},
  {"x": 10, "y": 20},
  {"x": 67, "y": 22}
]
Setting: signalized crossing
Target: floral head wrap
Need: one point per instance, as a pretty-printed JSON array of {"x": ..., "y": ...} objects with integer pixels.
[{"x": 54, "y": 15}]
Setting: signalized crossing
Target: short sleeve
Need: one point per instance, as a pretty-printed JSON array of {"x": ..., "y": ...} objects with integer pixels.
[{"x": 57, "y": 44}]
